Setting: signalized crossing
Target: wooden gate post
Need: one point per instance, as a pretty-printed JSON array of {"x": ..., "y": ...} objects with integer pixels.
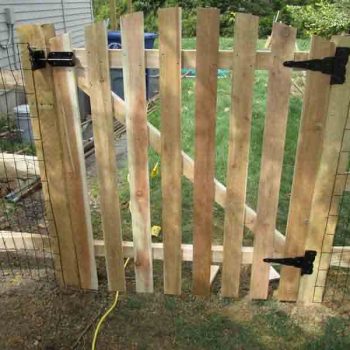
[
  {"x": 38, "y": 36},
  {"x": 320, "y": 227},
  {"x": 53, "y": 157},
  {"x": 312, "y": 125},
  {"x": 68, "y": 114}
]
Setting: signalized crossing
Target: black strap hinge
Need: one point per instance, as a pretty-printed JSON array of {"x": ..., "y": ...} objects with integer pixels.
[
  {"x": 54, "y": 58},
  {"x": 305, "y": 263},
  {"x": 334, "y": 66}
]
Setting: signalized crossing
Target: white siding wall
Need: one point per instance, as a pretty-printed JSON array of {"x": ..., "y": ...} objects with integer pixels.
[{"x": 66, "y": 15}]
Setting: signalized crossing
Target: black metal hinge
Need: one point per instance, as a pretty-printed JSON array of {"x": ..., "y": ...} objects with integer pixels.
[
  {"x": 334, "y": 66},
  {"x": 305, "y": 263},
  {"x": 56, "y": 59}
]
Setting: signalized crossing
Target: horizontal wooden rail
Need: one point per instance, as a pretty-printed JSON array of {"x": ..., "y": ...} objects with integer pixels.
[
  {"x": 187, "y": 161},
  {"x": 263, "y": 58},
  {"x": 17, "y": 241}
]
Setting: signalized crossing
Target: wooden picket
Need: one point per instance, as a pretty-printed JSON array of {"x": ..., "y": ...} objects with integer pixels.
[
  {"x": 101, "y": 113},
  {"x": 319, "y": 165},
  {"x": 204, "y": 167},
  {"x": 246, "y": 36},
  {"x": 136, "y": 128},
  {"x": 282, "y": 47},
  {"x": 306, "y": 166},
  {"x": 171, "y": 169}
]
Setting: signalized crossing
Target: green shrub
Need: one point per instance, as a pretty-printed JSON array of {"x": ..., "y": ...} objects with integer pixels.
[{"x": 323, "y": 18}]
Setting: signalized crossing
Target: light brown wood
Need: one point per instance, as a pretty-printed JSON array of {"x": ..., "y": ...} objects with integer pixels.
[
  {"x": 136, "y": 128},
  {"x": 13, "y": 166},
  {"x": 282, "y": 47},
  {"x": 171, "y": 159},
  {"x": 306, "y": 165},
  {"x": 311, "y": 289},
  {"x": 101, "y": 113},
  {"x": 43, "y": 109},
  {"x": 263, "y": 58},
  {"x": 11, "y": 79},
  {"x": 74, "y": 164},
  {"x": 207, "y": 42},
  {"x": 187, "y": 162},
  {"x": 113, "y": 14},
  {"x": 214, "y": 270},
  {"x": 22, "y": 241},
  {"x": 246, "y": 35}
]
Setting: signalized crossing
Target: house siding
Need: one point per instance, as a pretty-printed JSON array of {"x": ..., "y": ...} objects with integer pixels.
[{"x": 67, "y": 16}]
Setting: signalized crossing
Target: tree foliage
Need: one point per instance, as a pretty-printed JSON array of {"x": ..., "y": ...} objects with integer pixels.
[
  {"x": 322, "y": 18},
  {"x": 308, "y": 16}
]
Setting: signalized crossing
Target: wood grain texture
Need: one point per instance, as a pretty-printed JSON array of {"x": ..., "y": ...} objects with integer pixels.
[
  {"x": 188, "y": 57},
  {"x": 282, "y": 47},
  {"x": 102, "y": 121},
  {"x": 308, "y": 155},
  {"x": 154, "y": 137},
  {"x": 207, "y": 43},
  {"x": 311, "y": 290},
  {"x": 171, "y": 159},
  {"x": 136, "y": 128},
  {"x": 245, "y": 39},
  {"x": 74, "y": 164},
  {"x": 44, "y": 116}
]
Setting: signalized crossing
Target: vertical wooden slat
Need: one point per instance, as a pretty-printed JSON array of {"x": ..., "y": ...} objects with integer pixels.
[
  {"x": 282, "y": 47},
  {"x": 37, "y": 37},
  {"x": 102, "y": 121},
  {"x": 43, "y": 108},
  {"x": 246, "y": 35},
  {"x": 306, "y": 165},
  {"x": 311, "y": 290},
  {"x": 136, "y": 128},
  {"x": 74, "y": 164},
  {"x": 171, "y": 159},
  {"x": 113, "y": 14},
  {"x": 206, "y": 84}
]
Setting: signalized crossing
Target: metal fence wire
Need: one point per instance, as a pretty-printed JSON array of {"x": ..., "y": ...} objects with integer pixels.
[
  {"x": 337, "y": 282},
  {"x": 25, "y": 244}
]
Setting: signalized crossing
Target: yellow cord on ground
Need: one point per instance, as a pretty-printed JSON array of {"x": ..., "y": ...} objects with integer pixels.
[{"x": 105, "y": 315}]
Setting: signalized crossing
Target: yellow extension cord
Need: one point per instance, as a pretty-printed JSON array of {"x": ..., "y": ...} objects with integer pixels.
[{"x": 105, "y": 315}]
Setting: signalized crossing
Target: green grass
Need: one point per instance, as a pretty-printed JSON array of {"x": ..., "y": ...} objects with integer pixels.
[
  {"x": 164, "y": 322},
  {"x": 222, "y": 123}
]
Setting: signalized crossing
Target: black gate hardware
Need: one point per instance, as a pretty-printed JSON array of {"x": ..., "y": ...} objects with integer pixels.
[
  {"x": 54, "y": 58},
  {"x": 305, "y": 263},
  {"x": 334, "y": 66}
]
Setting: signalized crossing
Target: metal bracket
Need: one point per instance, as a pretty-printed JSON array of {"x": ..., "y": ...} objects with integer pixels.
[
  {"x": 334, "y": 66},
  {"x": 305, "y": 263},
  {"x": 54, "y": 58}
]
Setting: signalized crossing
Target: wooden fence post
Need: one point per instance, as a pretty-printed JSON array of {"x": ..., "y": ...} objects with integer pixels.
[
  {"x": 321, "y": 226},
  {"x": 171, "y": 160},
  {"x": 136, "y": 127},
  {"x": 282, "y": 47},
  {"x": 246, "y": 35},
  {"x": 74, "y": 164},
  {"x": 207, "y": 44},
  {"x": 102, "y": 121},
  {"x": 43, "y": 109},
  {"x": 37, "y": 37},
  {"x": 307, "y": 161}
]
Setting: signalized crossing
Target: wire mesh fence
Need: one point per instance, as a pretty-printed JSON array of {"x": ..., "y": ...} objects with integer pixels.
[
  {"x": 336, "y": 240},
  {"x": 25, "y": 243}
]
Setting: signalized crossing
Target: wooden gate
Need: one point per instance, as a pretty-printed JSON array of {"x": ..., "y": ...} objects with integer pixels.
[{"x": 55, "y": 115}]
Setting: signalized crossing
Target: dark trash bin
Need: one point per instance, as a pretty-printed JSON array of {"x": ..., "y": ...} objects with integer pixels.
[{"x": 114, "y": 42}]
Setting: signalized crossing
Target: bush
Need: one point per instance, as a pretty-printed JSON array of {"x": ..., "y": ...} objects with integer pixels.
[{"x": 323, "y": 18}]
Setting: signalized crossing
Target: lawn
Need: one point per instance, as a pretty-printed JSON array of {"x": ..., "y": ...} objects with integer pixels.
[{"x": 222, "y": 124}]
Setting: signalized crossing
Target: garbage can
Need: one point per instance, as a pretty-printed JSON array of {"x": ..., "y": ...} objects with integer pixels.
[
  {"x": 23, "y": 123},
  {"x": 151, "y": 75}
]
